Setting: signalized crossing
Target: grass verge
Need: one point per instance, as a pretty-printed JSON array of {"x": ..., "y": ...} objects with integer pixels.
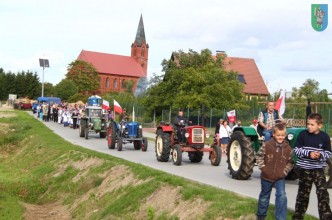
[{"x": 40, "y": 168}]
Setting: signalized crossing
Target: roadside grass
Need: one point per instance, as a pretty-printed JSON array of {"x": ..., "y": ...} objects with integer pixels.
[{"x": 39, "y": 167}]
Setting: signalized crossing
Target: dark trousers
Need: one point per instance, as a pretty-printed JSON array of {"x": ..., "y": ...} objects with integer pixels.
[
  {"x": 74, "y": 123},
  {"x": 306, "y": 179}
]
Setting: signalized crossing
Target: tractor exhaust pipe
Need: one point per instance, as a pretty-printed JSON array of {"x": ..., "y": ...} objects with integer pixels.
[{"x": 308, "y": 112}]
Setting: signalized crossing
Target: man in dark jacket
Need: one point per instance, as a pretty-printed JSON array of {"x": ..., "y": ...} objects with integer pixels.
[{"x": 180, "y": 121}]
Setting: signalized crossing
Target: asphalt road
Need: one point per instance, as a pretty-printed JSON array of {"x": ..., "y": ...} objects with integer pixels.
[{"x": 202, "y": 172}]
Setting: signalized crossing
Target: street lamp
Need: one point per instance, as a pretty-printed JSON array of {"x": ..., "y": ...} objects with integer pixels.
[{"x": 43, "y": 63}]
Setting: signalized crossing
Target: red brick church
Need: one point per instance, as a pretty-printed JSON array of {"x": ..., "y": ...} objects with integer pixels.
[{"x": 114, "y": 70}]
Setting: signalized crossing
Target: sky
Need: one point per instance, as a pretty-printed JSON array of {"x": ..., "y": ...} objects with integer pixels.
[{"x": 276, "y": 34}]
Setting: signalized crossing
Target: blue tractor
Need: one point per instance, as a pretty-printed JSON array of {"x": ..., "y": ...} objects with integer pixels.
[{"x": 126, "y": 132}]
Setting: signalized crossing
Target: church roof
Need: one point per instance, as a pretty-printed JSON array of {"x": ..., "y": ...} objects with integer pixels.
[
  {"x": 249, "y": 72},
  {"x": 112, "y": 64}
]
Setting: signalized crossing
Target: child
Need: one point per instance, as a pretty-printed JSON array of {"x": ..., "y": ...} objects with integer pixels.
[
  {"x": 313, "y": 149},
  {"x": 275, "y": 160}
]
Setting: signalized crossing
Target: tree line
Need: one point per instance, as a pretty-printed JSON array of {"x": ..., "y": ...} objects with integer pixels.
[{"x": 190, "y": 80}]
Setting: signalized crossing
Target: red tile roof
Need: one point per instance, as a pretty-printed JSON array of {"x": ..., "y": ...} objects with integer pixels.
[
  {"x": 247, "y": 67},
  {"x": 112, "y": 64}
]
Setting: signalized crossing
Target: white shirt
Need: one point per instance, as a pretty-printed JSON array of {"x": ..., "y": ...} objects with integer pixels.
[{"x": 224, "y": 131}]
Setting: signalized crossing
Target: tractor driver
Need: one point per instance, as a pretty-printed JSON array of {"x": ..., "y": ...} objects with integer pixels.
[
  {"x": 180, "y": 121},
  {"x": 124, "y": 115}
]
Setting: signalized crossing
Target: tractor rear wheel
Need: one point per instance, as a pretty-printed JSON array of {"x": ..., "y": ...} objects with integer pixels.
[
  {"x": 240, "y": 156},
  {"x": 163, "y": 146},
  {"x": 81, "y": 129},
  {"x": 120, "y": 144},
  {"x": 328, "y": 173},
  {"x": 215, "y": 155},
  {"x": 177, "y": 155},
  {"x": 111, "y": 136},
  {"x": 144, "y": 144},
  {"x": 195, "y": 157}
]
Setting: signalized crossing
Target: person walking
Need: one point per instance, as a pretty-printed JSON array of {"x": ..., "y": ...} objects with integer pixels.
[
  {"x": 313, "y": 149},
  {"x": 275, "y": 160}
]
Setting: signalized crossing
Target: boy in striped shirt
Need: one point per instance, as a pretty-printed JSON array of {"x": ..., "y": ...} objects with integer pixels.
[{"x": 313, "y": 149}]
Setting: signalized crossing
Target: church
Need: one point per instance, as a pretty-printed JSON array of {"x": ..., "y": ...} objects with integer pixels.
[{"x": 115, "y": 70}]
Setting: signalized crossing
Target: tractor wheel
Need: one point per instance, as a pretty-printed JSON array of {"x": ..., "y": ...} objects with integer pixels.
[
  {"x": 240, "y": 156},
  {"x": 120, "y": 144},
  {"x": 144, "y": 144},
  {"x": 86, "y": 129},
  {"x": 137, "y": 145},
  {"x": 81, "y": 129},
  {"x": 163, "y": 146},
  {"x": 195, "y": 157},
  {"x": 111, "y": 136},
  {"x": 328, "y": 173},
  {"x": 215, "y": 155},
  {"x": 177, "y": 155},
  {"x": 102, "y": 134}
]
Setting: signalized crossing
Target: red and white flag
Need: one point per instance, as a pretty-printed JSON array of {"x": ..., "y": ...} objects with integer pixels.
[
  {"x": 280, "y": 104},
  {"x": 105, "y": 105},
  {"x": 231, "y": 116},
  {"x": 117, "y": 107}
]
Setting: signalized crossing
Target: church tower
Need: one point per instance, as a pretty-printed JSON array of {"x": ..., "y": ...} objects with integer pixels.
[{"x": 140, "y": 49}]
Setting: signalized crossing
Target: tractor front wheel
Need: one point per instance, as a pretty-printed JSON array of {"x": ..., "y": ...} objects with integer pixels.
[
  {"x": 177, "y": 155},
  {"x": 195, "y": 157},
  {"x": 240, "y": 156},
  {"x": 215, "y": 155},
  {"x": 163, "y": 146},
  {"x": 137, "y": 145},
  {"x": 120, "y": 144},
  {"x": 144, "y": 144}
]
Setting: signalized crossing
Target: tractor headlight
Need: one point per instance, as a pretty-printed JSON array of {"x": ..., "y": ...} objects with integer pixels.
[
  {"x": 123, "y": 127},
  {"x": 140, "y": 126},
  {"x": 290, "y": 137},
  {"x": 186, "y": 135},
  {"x": 207, "y": 135}
]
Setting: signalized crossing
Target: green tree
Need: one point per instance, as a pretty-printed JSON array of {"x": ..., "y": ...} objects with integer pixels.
[
  {"x": 48, "y": 89},
  {"x": 65, "y": 89},
  {"x": 84, "y": 75},
  {"x": 195, "y": 80}
]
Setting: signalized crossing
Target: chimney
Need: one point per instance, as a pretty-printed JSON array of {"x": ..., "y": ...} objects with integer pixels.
[{"x": 221, "y": 53}]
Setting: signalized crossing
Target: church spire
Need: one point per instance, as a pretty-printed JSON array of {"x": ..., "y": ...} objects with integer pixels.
[
  {"x": 140, "y": 49},
  {"x": 140, "y": 35}
]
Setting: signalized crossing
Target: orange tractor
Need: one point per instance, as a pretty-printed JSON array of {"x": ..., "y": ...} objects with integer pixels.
[{"x": 192, "y": 141}]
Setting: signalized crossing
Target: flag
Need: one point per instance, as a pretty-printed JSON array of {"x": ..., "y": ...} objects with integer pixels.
[
  {"x": 117, "y": 107},
  {"x": 105, "y": 105},
  {"x": 280, "y": 104},
  {"x": 231, "y": 116},
  {"x": 133, "y": 118}
]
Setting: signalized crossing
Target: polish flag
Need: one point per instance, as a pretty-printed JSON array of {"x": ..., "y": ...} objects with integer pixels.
[
  {"x": 105, "y": 105},
  {"x": 117, "y": 107},
  {"x": 280, "y": 104},
  {"x": 231, "y": 116}
]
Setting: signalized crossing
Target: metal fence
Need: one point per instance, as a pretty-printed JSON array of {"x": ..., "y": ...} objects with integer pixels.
[{"x": 210, "y": 117}]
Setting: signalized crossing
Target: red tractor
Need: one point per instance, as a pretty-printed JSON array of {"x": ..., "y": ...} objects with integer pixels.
[{"x": 192, "y": 141}]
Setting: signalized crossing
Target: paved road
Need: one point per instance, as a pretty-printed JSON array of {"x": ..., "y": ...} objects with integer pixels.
[{"x": 202, "y": 172}]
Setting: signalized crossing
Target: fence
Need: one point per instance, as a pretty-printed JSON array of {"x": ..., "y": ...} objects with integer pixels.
[{"x": 210, "y": 117}]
